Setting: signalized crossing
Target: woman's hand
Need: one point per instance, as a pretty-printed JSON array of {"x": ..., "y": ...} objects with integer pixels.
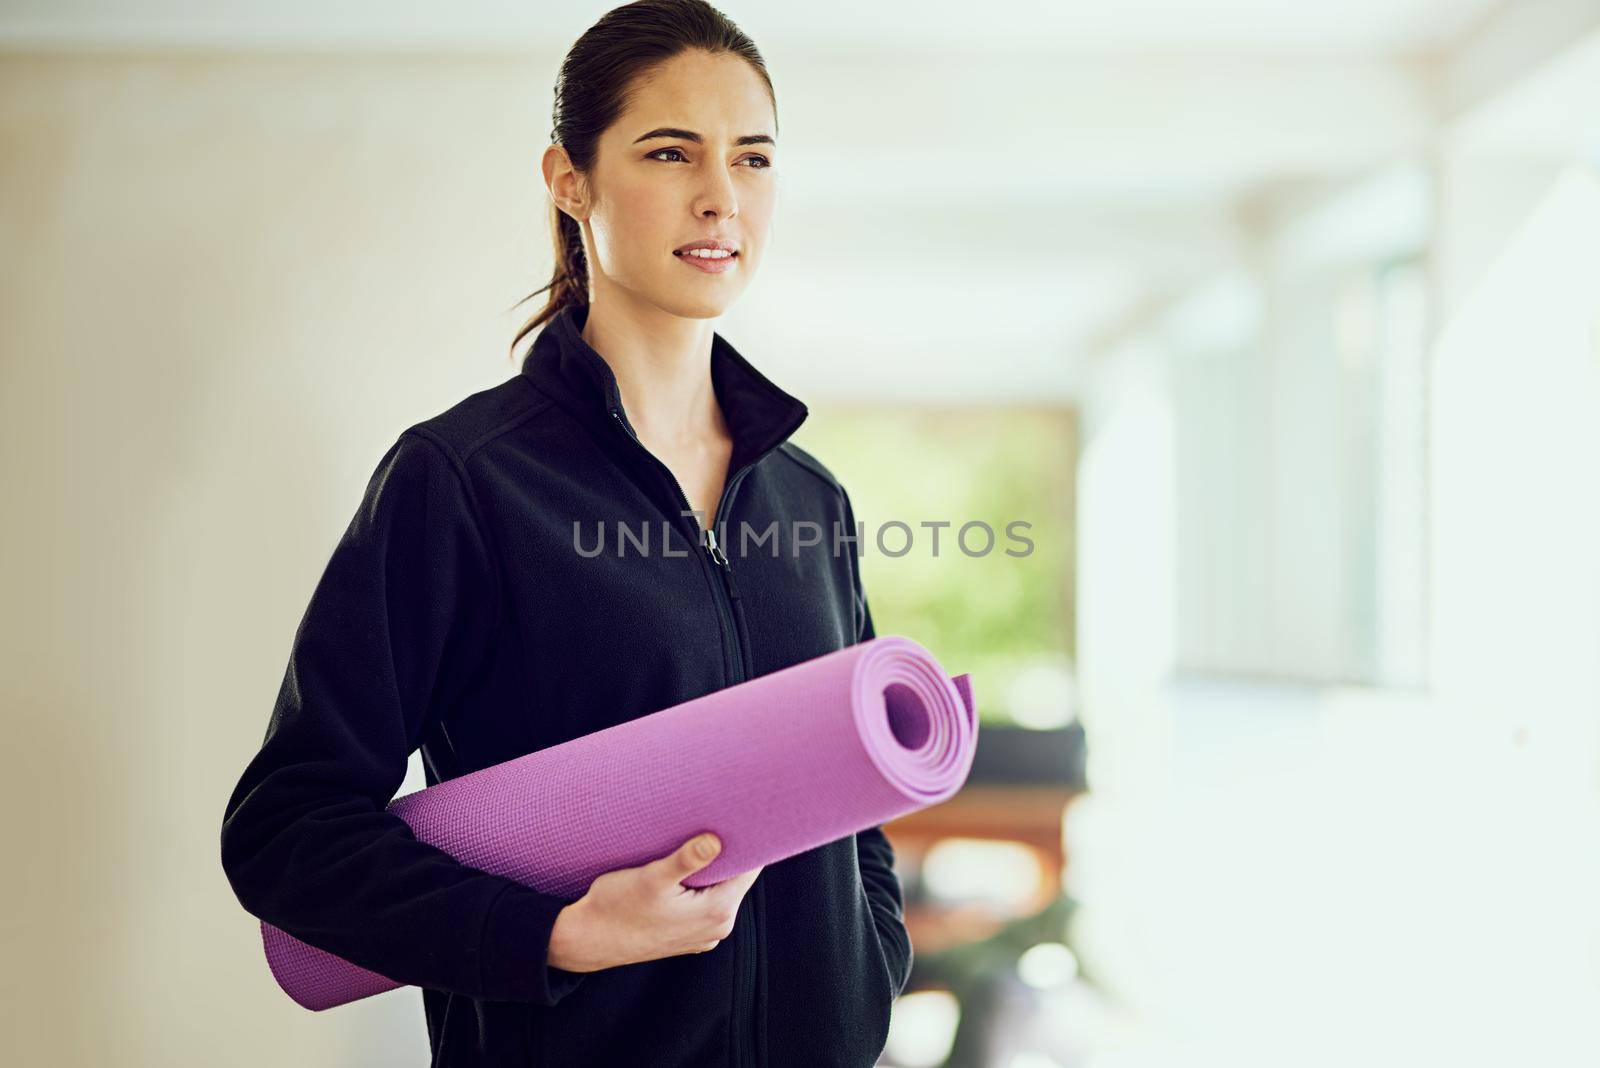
[{"x": 644, "y": 913}]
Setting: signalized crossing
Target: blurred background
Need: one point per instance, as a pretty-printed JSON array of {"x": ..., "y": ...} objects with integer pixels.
[{"x": 1280, "y": 323}]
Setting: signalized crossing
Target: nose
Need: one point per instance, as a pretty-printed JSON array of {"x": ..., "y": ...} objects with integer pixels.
[{"x": 717, "y": 199}]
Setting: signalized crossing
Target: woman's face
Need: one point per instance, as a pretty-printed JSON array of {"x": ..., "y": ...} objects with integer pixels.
[{"x": 651, "y": 192}]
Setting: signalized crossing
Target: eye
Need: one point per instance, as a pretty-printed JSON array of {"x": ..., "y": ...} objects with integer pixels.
[{"x": 763, "y": 163}]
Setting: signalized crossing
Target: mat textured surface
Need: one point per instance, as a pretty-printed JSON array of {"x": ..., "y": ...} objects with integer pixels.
[{"x": 774, "y": 766}]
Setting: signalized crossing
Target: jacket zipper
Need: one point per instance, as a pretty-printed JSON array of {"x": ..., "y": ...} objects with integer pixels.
[{"x": 744, "y": 1016}]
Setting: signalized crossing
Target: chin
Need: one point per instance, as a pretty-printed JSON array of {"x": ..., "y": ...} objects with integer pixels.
[{"x": 699, "y": 306}]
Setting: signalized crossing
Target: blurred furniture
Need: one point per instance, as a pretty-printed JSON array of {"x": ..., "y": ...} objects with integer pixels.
[{"x": 1021, "y": 783}]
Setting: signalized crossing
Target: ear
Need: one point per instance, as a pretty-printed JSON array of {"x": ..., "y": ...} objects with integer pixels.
[{"x": 563, "y": 182}]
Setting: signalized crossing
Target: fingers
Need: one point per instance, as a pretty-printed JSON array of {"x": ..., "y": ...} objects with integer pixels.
[
  {"x": 692, "y": 856},
  {"x": 731, "y": 890},
  {"x": 744, "y": 879}
]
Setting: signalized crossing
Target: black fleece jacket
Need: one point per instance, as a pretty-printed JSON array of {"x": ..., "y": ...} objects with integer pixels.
[{"x": 459, "y": 614}]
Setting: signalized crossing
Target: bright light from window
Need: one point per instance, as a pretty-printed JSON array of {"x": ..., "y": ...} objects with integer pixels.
[
  {"x": 1047, "y": 965},
  {"x": 1002, "y": 874},
  {"x": 1030, "y": 1059},
  {"x": 922, "y": 1028},
  {"x": 1043, "y": 694}
]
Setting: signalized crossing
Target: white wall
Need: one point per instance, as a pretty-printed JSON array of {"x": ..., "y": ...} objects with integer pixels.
[
  {"x": 228, "y": 286},
  {"x": 1292, "y": 872}
]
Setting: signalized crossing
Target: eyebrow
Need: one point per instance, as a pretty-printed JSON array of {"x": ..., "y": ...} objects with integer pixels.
[{"x": 690, "y": 135}]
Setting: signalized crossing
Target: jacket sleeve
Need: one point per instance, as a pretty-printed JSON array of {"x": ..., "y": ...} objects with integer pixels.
[
  {"x": 874, "y": 852},
  {"x": 403, "y": 612}
]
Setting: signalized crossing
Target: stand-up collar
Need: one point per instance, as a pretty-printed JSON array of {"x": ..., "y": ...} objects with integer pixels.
[{"x": 564, "y": 366}]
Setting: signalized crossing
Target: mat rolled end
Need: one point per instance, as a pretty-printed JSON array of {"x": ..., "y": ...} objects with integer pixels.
[
  {"x": 918, "y": 723},
  {"x": 964, "y": 688}
]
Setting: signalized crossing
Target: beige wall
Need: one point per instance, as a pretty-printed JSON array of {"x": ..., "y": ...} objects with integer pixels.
[{"x": 229, "y": 282}]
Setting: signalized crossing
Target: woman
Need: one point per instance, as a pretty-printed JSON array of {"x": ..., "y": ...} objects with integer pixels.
[{"x": 486, "y": 601}]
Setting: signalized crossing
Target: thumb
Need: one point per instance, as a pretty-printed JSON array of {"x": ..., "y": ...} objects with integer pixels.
[{"x": 693, "y": 855}]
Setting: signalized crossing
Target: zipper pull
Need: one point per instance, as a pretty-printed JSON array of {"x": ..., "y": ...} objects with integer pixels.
[
  {"x": 626, "y": 429},
  {"x": 709, "y": 537},
  {"x": 717, "y": 555}
]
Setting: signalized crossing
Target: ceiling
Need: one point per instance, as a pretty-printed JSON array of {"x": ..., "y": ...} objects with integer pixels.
[
  {"x": 1351, "y": 27},
  {"x": 1023, "y": 178}
]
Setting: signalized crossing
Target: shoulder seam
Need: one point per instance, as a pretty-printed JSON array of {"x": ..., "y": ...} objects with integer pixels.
[
  {"x": 807, "y": 462},
  {"x": 434, "y": 438},
  {"x": 506, "y": 427}
]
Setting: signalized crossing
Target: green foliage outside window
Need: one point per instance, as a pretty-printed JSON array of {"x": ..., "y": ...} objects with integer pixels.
[{"x": 994, "y": 615}]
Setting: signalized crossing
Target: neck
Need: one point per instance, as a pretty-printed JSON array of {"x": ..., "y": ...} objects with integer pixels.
[{"x": 662, "y": 364}]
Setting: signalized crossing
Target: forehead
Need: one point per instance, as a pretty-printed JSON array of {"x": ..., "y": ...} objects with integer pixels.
[{"x": 720, "y": 97}]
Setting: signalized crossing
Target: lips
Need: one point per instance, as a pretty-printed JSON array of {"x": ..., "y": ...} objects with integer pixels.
[
  {"x": 707, "y": 242},
  {"x": 709, "y": 264}
]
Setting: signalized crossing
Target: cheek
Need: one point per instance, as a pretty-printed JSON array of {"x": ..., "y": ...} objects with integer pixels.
[
  {"x": 754, "y": 222},
  {"x": 757, "y": 205},
  {"x": 629, "y": 228}
]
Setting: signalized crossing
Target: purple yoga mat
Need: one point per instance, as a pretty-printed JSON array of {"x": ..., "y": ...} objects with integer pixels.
[{"x": 774, "y": 766}]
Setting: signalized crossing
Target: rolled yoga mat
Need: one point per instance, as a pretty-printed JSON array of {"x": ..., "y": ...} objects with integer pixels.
[{"x": 774, "y": 766}]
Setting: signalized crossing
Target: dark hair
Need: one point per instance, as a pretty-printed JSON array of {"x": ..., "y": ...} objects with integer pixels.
[{"x": 593, "y": 88}]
